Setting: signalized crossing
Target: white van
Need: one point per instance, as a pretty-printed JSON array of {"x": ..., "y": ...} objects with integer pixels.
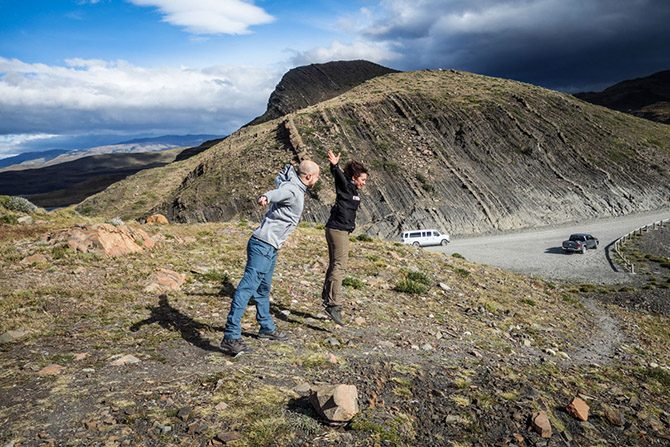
[{"x": 421, "y": 238}]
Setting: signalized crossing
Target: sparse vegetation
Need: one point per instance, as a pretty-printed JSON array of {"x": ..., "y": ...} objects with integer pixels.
[{"x": 352, "y": 282}]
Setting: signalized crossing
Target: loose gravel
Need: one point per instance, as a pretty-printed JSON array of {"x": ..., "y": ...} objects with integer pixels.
[{"x": 538, "y": 252}]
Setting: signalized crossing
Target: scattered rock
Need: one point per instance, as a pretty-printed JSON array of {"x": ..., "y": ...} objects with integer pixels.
[
  {"x": 127, "y": 359},
  {"x": 303, "y": 389},
  {"x": 228, "y": 436},
  {"x": 196, "y": 428},
  {"x": 165, "y": 280},
  {"x": 386, "y": 344},
  {"x": 360, "y": 321},
  {"x": 51, "y": 370},
  {"x": 200, "y": 269},
  {"x": 445, "y": 287},
  {"x": 540, "y": 424},
  {"x": 25, "y": 220},
  {"x": 184, "y": 413},
  {"x": 336, "y": 403},
  {"x": 12, "y": 336},
  {"x": 157, "y": 219},
  {"x": 80, "y": 356},
  {"x": 427, "y": 347},
  {"x": 116, "y": 221},
  {"x": 332, "y": 359},
  {"x": 221, "y": 406},
  {"x": 332, "y": 341},
  {"x": 578, "y": 409},
  {"x": 34, "y": 259},
  {"x": 613, "y": 416},
  {"x": 519, "y": 439}
]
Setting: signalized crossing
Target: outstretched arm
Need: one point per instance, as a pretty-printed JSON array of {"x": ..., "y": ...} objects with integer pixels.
[
  {"x": 334, "y": 159},
  {"x": 281, "y": 194}
]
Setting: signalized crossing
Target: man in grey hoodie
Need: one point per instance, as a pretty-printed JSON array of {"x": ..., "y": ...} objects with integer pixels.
[{"x": 287, "y": 202}]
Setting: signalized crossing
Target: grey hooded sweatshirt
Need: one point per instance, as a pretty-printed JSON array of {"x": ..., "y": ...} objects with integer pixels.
[{"x": 286, "y": 204}]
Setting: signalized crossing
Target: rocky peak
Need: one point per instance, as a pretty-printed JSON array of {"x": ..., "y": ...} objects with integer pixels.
[{"x": 310, "y": 84}]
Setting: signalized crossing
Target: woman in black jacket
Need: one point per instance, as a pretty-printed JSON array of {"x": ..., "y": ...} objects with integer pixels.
[{"x": 341, "y": 223}]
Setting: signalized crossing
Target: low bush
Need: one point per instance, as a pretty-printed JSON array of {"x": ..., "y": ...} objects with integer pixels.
[
  {"x": 20, "y": 204},
  {"x": 352, "y": 282}
]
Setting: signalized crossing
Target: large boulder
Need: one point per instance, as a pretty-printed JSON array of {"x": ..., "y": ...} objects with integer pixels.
[
  {"x": 337, "y": 404},
  {"x": 104, "y": 239}
]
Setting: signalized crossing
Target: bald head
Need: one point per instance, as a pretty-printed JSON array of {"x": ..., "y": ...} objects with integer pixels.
[{"x": 309, "y": 172}]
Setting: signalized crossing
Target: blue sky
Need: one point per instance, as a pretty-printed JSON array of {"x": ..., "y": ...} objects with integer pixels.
[{"x": 74, "y": 71}]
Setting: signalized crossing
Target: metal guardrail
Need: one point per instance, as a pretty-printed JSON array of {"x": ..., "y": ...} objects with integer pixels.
[{"x": 620, "y": 242}]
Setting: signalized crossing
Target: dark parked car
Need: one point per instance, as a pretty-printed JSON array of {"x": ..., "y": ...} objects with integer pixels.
[{"x": 580, "y": 242}]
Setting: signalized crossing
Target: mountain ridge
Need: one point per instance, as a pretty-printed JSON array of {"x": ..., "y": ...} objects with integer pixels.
[
  {"x": 647, "y": 97},
  {"x": 461, "y": 152}
]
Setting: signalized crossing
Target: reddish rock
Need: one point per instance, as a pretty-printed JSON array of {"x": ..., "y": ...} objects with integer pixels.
[
  {"x": 51, "y": 370},
  {"x": 157, "y": 219},
  {"x": 104, "y": 239},
  {"x": 34, "y": 259},
  {"x": 541, "y": 425},
  {"x": 164, "y": 280},
  {"x": 578, "y": 409}
]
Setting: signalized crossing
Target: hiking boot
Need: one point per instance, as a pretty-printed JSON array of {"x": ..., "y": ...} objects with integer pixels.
[
  {"x": 335, "y": 314},
  {"x": 234, "y": 347},
  {"x": 276, "y": 335}
]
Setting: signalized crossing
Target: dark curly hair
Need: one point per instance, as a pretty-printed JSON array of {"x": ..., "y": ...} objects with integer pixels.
[{"x": 354, "y": 169}]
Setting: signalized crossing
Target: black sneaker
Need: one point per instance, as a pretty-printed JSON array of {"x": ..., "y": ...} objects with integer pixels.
[
  {"x": 334, "y": 313},
  {"x": 276, "y": 335},
  {"x": 234, "y": 347}
]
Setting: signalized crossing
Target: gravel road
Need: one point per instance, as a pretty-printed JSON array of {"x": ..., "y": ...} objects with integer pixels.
[{"x": 539, "y": 253}]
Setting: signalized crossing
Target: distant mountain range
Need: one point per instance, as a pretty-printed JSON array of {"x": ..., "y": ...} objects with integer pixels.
[
  {"x": 42, "y": 157},
  {"x": 647, "y": 97},
  {"x": 57, "y": 179},
  {"x": 34, "y": 160}
]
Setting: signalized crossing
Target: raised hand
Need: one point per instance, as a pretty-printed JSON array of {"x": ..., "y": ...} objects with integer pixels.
[
  {"x": 334, "y": 159},
  {"x": 262, "y": 200}
]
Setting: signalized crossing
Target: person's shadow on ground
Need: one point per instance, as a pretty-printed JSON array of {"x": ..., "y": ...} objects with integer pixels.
[
  {"x": 174, "y": 320},
  {"x": 279, "y": 311}
]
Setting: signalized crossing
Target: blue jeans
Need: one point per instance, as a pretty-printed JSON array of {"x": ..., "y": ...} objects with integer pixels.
[{"x": 256, "y": 283}]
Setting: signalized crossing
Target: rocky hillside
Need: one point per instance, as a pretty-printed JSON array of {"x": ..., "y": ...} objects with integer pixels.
[
  {"x": 123, "y": 351},
  {"x": 452, "y": 150},
  {"x": 311, "y": 84},
  {"x": 647, "y": 97}
]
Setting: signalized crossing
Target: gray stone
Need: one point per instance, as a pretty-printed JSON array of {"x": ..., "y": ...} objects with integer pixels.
[
  {"x": 25, "y": 220},
  {"x": 12, "y": 336}
]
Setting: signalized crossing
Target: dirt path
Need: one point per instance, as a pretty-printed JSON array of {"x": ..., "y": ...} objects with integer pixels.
[{"x": 605, "y": 339}]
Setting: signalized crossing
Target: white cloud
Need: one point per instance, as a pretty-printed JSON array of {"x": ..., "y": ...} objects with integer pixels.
[
  {"x": 210, "y": 16},
  {"x": 91, "y": 95},
  {"x": 378, "y": 52},
  {"x": 12, "y": 144}
]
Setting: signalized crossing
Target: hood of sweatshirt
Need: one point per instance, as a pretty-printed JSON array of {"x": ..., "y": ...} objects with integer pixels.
[{"x": 289, "y": 174}]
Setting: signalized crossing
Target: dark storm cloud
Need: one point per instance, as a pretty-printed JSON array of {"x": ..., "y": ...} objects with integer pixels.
[{"x": 569, "y": 44}]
